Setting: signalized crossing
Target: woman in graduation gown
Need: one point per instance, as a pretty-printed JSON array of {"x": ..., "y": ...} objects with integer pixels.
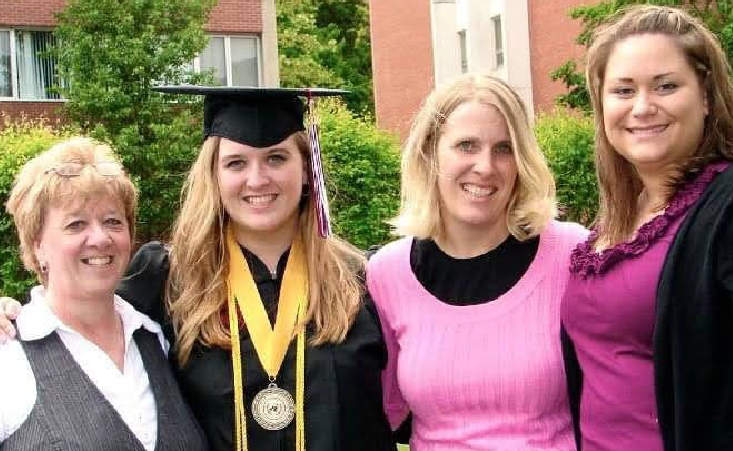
[
  {"x": 248, "y": 257},
  {"x": 276, "y": 344}
]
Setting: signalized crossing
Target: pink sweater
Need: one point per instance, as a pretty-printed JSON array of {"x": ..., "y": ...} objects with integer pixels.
[{"x": 482, "y": 377}]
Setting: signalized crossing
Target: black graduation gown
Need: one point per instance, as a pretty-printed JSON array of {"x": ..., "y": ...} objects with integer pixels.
[{"x": 343, "y": 397}]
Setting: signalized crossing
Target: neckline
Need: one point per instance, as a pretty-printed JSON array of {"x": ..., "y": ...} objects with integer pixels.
[
  {"x": 586, "y": 261},
  {"x": 498, "y": 306}
]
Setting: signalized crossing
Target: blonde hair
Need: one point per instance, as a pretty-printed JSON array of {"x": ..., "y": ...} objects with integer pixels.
[
  {"x": 619, "y": 183},
  {"x": 36, "y": 189},
  {"x": 532, "y": 203},
  {"x": 197, "y": 288}
]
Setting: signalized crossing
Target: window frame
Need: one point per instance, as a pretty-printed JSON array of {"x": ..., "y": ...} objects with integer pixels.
[
  {"x": 499, "y": 53},
  {"x": 228, "y": 55},
  {"x": 14, "y": 88}
]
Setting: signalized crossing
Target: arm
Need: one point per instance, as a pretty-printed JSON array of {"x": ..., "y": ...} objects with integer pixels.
[
  {"x": 574, "y": 377},
  {"x": 725, "y": 256},
  {"x": 394, "y": 404}
]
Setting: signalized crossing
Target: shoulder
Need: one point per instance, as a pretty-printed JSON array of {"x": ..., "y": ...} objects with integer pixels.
[
  {"x": 564, "y": 235},
  {"x": 19, "y": 387},
  {"x": 143, "y": 285},
  {"x": 568, "y": 230},
  {"x": 388, "y": 253}
]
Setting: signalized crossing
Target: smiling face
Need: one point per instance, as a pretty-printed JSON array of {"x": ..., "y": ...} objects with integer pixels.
[
  {"x": 261, "y": 187},
  {"x": 86, "y": 248},
  {"x": 477, "y": 168},
  {"x": 654, "y": 106}
]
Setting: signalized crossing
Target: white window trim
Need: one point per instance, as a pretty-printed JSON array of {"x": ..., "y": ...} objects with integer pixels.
[
  {"x": 228, "y": 55},
  {"x": 14, "y": 71}
]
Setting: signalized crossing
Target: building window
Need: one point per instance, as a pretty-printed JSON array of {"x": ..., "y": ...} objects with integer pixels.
[
  {"x": 27, "y": 71},
  {"x": 464, "y": 50},
  {"x": 498, "y": 43},
  {"x": 233, "y": 59}
]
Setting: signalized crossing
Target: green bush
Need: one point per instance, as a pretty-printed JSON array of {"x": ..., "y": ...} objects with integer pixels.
[
  {"x": 158, "y": 164},
  {"x": 566, "y": 138},
  {"x": 363, "y": 175},
  {"x": 19, "y": 142}
]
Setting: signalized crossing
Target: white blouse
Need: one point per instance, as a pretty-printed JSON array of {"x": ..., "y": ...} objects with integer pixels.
[{"x": 128, "y": 392}]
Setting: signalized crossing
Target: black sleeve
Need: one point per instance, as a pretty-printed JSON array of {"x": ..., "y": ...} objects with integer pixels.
[
  {"x": 574, "y": 377},
  {"x": 143, "y": 285},
  {"x": 725, "y": 255}
]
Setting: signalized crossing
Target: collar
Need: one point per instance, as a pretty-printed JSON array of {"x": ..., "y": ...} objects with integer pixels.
[{"x": 36, "y": 320}]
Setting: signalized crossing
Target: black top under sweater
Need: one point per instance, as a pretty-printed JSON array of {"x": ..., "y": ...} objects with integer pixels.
[{"x": 471, "y": 281}]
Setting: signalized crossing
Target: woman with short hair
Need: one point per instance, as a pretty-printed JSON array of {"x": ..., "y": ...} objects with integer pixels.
[{"x": 89, "y": 372}]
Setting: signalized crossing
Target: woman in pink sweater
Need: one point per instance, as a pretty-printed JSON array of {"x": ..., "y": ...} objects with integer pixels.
[{"x": 469, "y": 298}]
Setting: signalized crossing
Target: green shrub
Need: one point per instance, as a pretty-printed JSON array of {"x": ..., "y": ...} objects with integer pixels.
[
  {"x": 363, "y": 175},
  {"x": 20, "y": 141},
  {"x": 566, "y": 138},
  {"x": 158, "y": 164}
]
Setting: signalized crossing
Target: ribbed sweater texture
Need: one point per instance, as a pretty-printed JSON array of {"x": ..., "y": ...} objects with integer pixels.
[{"x": 482, "y": 377}]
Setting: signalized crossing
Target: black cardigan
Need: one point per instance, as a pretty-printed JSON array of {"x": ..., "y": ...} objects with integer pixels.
[{"x": 693, "y": 330}]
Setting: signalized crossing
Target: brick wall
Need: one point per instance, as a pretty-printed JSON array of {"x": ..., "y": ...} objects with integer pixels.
[
  {"x": 552, "y": 36},
  {"x": 236, "y": 16},
  {"x": 228, "y": 15},
  {"x": 50, "y": 110},
  {"x": 402, "y": 61},
  {"x": 29, "y": 12}
]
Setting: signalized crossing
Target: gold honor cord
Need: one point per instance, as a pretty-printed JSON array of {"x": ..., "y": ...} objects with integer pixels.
[{"x": 272, "y": 405}]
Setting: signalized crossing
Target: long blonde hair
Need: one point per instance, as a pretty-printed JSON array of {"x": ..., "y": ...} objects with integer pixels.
[
  {"x": 197, "y": 291},
  {"x": 532, "y": 203},
  {"x": 619, "y": 183}
]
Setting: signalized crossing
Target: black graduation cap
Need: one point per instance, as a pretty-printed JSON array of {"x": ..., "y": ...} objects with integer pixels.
[
  {"x": 262, "y": 117},
  {"x": 258, "y": 117}
]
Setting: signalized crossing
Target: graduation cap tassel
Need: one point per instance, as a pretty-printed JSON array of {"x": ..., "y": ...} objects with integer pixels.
[{"x": 318, "y": 182}]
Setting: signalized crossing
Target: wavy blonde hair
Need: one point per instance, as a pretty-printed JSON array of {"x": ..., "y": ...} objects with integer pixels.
[
  {"x": 532, "y": 203},
  {"x": 35, "y": 190},
  {"x": 619, "y": 183},
  {"x": 197, "y": 285}
]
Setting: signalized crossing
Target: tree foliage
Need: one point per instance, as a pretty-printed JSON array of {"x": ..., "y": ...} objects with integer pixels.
[
  {"x": 566, "y": 138},
  {"x": 363, "y": 175},
  {"x": 110, "y": 54},
  {"x": 326, "y": 43},
  {"x": 717, "y": 16}
]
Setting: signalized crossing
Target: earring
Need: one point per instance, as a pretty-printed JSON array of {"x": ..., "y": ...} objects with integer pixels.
[{"x": 306, "y": 192}]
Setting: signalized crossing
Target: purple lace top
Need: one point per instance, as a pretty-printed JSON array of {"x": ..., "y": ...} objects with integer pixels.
[
  {"x": 585, "y": 260},
  {"x": 608, "y": 311}
]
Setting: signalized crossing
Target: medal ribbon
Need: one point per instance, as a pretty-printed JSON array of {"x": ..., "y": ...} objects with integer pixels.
[{"x": 270, "y": 345}]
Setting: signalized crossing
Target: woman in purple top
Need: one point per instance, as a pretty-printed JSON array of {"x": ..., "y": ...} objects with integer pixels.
[{"x": 648, "y": 311}]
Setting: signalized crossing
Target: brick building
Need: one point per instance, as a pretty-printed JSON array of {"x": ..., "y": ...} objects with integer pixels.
[
  {"x": 417, "y": 44},
  {"x": 242, "y": 50}
]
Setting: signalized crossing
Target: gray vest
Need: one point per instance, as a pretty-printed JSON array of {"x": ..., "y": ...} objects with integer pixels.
[{"x": 71, "y": 414}]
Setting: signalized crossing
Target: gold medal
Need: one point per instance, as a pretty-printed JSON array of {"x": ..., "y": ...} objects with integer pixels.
[{"x": 273, "y": 408}]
